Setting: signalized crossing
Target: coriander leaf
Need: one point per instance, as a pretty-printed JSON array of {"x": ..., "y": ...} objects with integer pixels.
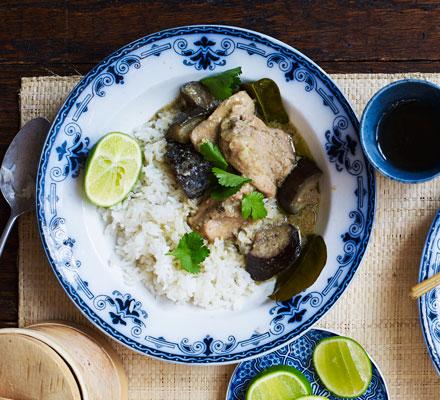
[
  {"x": 222, "y": 85},
  {"x": 252, "y": 204},
  {"x": 211, "y": 152},
  {"x": 185, "y": 260},
  {"x": 199, "y": 250},
  {"x": 220, "y": 193},
  {"x": 229, "y": 180},
  {"x": 246, "y": 207},
  {"x": 191, "y": 252}
]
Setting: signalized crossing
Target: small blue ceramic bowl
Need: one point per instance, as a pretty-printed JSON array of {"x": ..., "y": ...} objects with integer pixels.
[{"x": 378, "y": 106}]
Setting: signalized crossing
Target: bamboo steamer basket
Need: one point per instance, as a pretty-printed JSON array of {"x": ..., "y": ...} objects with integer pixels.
[
  {"x": 31, "y": 370},
  {"x": 95, "y": 365}
]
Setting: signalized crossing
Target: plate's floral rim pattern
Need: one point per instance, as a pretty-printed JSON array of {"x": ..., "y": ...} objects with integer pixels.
[
  {"x": 429, "y": 303},
  {"x": 298, "y": 354},
  {"x": 201, "y": 54}
]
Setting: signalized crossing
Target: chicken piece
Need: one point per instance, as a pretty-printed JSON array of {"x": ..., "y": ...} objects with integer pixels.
[
  {"x": 220, "y": 219},
  {"x": 238, "y": 106},
  {"x": 260, "y": 153}
]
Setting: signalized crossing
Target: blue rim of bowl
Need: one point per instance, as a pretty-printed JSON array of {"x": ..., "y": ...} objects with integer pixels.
[
  {"x": 423, "y": 274},
  {"x": 365, "y": 148},
  {"x": 356, "y": 262}
]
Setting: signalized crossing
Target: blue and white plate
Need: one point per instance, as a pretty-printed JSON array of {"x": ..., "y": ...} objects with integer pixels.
[
  {"x": 298, "y": 354},
  {"x": 429, "y": 303},
  {"x": 124, "y": 91}
]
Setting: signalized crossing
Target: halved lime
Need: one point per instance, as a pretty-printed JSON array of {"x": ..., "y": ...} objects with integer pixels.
[
  {"x": 312, "y": 397},
  {"x": 112, "y": 169},
  {"x": 279, "y": 382},
  {"x": 343, "y": 366}
]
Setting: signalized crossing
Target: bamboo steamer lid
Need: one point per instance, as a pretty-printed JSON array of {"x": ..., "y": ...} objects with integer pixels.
[
  {"x": 97, "y": 366},
  {"x": 31, "y": 370}
]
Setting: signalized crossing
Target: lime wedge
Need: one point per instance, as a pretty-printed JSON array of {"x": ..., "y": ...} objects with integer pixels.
[
  {"x": 280, "y": 382},
  {"x": 312, "y": 397},
  {"x": 112, "y": 169},
  {"x": 343, "y": 366}
]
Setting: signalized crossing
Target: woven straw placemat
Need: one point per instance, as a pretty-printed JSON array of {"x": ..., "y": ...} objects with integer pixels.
[{"x": 375, "y": 310}]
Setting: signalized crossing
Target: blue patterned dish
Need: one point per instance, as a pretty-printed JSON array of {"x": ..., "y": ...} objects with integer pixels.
[
  {"x": 298, "y": 354},
  {"x": 429, "y": 303},
  {"x": 124, "y": 91}
]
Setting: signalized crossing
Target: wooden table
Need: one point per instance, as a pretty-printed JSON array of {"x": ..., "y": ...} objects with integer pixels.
[{"x": 70, "y": 37}]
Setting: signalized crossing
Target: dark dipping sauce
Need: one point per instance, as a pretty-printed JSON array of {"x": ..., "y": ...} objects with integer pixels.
[{"x": 409, "y": 136}]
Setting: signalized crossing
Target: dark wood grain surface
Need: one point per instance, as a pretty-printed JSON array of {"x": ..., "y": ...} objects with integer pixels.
[{"x": 69, "y": 37}]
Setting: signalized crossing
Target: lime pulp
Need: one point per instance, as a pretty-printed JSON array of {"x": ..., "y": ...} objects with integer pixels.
[
  {"x": 343, "y": 366},
  {"x": 112, "y": 169},
  {"x": 279, "y": 382}
]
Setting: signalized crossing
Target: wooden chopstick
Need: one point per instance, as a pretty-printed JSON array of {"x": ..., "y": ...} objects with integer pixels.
[{"x": 424, "y": 287}]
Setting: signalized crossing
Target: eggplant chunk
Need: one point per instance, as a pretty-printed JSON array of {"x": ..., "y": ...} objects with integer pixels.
[
  {"x": 300, "y": 188},
  {"x": 303, "y": 272},
  {"x": 274, "y": 250},
  {"x": 191, "y": 169},
  {"x": 195, "y": 94},
  {"x": 184, "y": 123}
]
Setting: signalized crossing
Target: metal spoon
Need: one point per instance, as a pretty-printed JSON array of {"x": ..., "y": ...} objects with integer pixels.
[{"x": 19, "y": 171}]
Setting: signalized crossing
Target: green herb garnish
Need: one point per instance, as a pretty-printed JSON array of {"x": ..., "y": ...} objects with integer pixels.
[
  {"x": 211, "y": 152},
  {"x": 221, "y": 193},
  {"x": 225, "y": 184},
  {"x": 252, "y": 204},
  {"x": 191, "y": 252},
  {"x": 228, "y": 179},
  {"x": 222, "y": 85}
]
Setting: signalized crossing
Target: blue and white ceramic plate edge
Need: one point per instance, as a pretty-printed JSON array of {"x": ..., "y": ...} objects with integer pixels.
[
  {"x": 377, "y": 390},
  {"x": 126, "y": 308},
  {"x": 428, "y": 303}
]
